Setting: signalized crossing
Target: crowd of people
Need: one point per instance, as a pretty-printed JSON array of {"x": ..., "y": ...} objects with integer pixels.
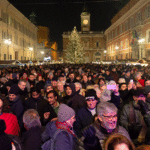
[{"x": 75, "y": 107}]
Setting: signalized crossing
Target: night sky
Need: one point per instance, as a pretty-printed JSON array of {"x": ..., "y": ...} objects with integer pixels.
[{"x": 63, "y": 15}]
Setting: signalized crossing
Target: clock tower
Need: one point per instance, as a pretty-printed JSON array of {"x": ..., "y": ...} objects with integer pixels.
[{"x": 85, "y": 20}]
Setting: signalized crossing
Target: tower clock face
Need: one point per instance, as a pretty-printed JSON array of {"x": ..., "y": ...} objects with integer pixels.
[{"x": 85, "y": 21}]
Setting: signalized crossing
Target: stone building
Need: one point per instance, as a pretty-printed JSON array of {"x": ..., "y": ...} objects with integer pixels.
[
  {"x": 93, "y": 41},
  {"x": 18, "y": 35},
  {"x": 45, "y": 45},
  {"x": 128, "y": 37}
]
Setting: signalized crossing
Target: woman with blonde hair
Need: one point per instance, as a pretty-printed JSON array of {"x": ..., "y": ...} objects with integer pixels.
[{"x": 118, "y": 142}]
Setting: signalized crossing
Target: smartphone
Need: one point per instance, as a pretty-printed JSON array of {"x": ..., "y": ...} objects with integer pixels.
[{"x": 111, "y": 87}]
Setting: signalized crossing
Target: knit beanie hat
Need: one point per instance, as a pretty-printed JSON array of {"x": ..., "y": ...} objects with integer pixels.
[
  {"x": 5, "y": 141},
  {"x": 91, "y": 94},
  {"x": 65, "y": 113},
  {"x": 13, "y": 90}
]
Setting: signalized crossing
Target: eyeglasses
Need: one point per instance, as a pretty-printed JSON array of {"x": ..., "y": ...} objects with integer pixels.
[{"x": 110, "y": 117}]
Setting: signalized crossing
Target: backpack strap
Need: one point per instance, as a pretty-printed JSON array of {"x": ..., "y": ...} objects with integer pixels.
[{"x": 55, "y": 136}]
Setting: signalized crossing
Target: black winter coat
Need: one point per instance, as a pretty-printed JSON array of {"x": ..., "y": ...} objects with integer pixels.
[
  {"x": 41, "y": 106},
  {"x": 83, "y": 119},
  {"x": 75, "y": 100},
  {"x": 32, "y": 139}
]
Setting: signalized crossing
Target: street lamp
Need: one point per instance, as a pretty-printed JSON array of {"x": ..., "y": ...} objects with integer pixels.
[
  {"x": 116, "y": 47},
  {"x": 7, "y": 41},
  {"x": 42, "y": 52},
  {"x": 140, "y": 44},
  {"x": 31, "y": 48}
]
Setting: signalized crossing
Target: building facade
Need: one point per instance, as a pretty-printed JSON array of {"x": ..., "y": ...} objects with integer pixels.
[
  {"x": 128, "y": 37},
  {"x": 18, "y": 36},
  {"x": 93, "y": 41},
  {"x": 49, "y": 48}
]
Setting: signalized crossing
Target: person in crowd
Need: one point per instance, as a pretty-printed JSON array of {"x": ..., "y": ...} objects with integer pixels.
[
  {"x": 114, "y": 74},
  {"x": 54, "y": 82},
  {"x": 7, "y": 141},
  {"x": 117, "y": 141},
  {"x": 127, "y": 76},
  {"x": 31, "y": 139},
  {"x": 49, "y": 78},
  {"x": 31, "y": 81},
  {"x": 90, "y": 79},
  {"x": 101, "y": 81},
  {"x": 110, "y": 94},
  {"x": 147, "y": 81},
  {"x": 66, "y": 140},
  {"x": 22, "y": 90},
  {"x": 12, "y": 126},
  {"x": 132, "y": 115},
  {"x": 138, "y": 78},
  {"x": 107, "y": 75},
  {"x": 48, "y": 87},
  {"x": 15, "y": 104},
  {"x": 40, "y": 82},
  {"x": 85, "y": 116},
  {"x": 105, "y": 125},
  {"x": 125, "y": 92},
  {"x": 72, "y": 98},
  {"x": 37, "y": 102},
  {"x": 61, "y": 79},
  {"x": 84, "y": 82},
  {"x": 60, "y": 90},
  {"x": 79, "y": 89},
  {"x": 24, "y": 76},
  {"x": 52, "y": 100},
  {"x": 71, "y": 78}
]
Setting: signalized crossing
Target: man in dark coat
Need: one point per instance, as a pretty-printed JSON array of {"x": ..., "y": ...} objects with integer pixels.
[
  {"x": 114, "y": 74},
  {"x": 105, "y": 125},
  {"x": 135, "y": 116},
  {"x": 40, "y": 105},
  {"x": 85, "y": 116},
  {"x": 15, "y": 104},
  {"x": 22, "y": 90},
  {"x": 31, "y": 139},
  {"x": 73, "y": 99}
]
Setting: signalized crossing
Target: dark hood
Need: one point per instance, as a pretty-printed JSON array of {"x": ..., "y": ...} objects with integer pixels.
[{"x": 72, "y": 86}]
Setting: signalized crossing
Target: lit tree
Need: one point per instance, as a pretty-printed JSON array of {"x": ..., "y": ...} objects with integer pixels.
[{"x": 75, "y": 52}]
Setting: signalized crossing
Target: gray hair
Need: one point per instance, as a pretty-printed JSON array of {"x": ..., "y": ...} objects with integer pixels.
[
  {"x": 77, "y": 83},
  {"x": 20, "y": 81},
  {"x": 106, "y": 107},
  {"x": 61, "y": 83},
  {"x": 31, "y": 118},
  {"x": 136, "y": 74}
]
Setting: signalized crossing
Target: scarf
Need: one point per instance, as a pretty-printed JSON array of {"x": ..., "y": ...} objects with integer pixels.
[{"x": 64, "y": 126}]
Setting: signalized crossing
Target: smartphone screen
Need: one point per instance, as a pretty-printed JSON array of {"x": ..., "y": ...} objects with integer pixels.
[{"x": 111, "y": 87}]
